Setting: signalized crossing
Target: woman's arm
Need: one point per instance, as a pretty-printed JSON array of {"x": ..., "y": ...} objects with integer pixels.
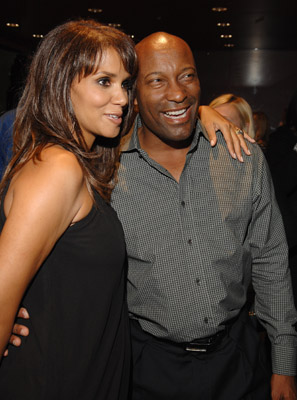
[
  {"x": 213, "y": 122},
  {"x": 41, "y": 203}
]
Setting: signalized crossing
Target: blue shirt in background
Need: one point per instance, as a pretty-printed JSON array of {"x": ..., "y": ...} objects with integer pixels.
[{"x": 6, "y": 128}]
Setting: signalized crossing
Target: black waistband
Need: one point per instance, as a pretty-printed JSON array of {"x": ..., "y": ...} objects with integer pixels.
[
  {"x": 206, "y": 344},
  {"x": 200, "y": 345}
]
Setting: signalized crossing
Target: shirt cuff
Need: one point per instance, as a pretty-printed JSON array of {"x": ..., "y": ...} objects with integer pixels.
[{"x": 283, "y": 360}]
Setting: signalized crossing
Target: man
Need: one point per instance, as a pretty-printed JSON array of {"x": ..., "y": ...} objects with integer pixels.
[{"x": 198, "y": 226}]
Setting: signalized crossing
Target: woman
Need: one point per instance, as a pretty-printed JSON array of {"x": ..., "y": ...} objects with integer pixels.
[
  {"x": 236, "y": 110},
  {"x": 62, "y": 250}
]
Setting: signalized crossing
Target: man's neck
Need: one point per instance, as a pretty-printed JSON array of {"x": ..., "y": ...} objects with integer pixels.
[{"x": 170, "y": 155}]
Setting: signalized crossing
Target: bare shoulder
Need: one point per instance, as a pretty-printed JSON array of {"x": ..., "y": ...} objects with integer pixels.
[
  {"x": 57, "y": 175},
  {"x": 55, "y": 165},
  {"x": 55, "y": 158}
]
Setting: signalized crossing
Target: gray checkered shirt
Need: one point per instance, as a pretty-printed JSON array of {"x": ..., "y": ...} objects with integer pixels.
[{"x": 194, "y": 246}]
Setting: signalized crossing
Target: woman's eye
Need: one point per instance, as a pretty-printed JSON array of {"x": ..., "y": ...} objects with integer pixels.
[{"x": 104, "y": 81}]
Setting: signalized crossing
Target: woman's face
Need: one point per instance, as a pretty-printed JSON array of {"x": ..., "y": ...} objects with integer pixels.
[
  {"x": 98, "y": 99},
  {"x": 229, "y": 111}
]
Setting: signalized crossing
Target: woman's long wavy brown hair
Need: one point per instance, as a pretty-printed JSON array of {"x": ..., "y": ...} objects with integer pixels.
[{"x": 45, "y": 114}]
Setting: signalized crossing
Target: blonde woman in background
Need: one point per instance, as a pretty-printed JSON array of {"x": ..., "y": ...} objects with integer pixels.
[{"x": 237, "y": 110}]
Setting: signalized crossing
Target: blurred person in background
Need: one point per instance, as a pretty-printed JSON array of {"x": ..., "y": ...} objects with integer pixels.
[
  {"x": 281, "y": 154},
  {"x": 6, "y": 128},
  {"x": 237, "y": 110},
  {"x": 262, "y": 129}
]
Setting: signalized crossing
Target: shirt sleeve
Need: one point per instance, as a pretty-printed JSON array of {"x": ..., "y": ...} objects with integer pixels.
[{"x": 274, "y": 303}]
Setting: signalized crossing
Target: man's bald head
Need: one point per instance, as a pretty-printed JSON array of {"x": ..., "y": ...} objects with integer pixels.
[
  {"x": 158, "y": 42},
  {"x": 168, "y": 89}
]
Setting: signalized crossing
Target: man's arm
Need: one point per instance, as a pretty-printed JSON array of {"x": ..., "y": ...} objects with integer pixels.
[
  {"x": 271, "y": 279},
  {"x": 283, "y": 387}
]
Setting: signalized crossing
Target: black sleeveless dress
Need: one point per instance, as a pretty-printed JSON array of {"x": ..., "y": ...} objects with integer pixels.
[{"x": 79, "y": 346}]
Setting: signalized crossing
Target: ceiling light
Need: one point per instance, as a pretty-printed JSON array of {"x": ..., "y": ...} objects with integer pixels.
[
  {"x": 228, "y": 45},
  {"x": 95, "y": 10},
  {"x": 226, "y": 36},
  {"x": 113, "y": 25},
  {"x": 37, "y": 35},
  {"x": 12, "y": 25},
  {"x": 223, "y": 24},
  {"x": 219, "y": 9}
]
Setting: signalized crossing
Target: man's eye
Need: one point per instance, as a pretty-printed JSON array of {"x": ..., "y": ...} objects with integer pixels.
[
  {"x": 190, "y": 76},
  {"x": 155, "y": 82}
]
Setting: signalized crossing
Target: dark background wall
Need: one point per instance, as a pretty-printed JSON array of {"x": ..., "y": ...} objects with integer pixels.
[
  {"x": 268, "y": 84},
  {"x": 13, "y": 70},
  {"x": 6, "y": 62}
]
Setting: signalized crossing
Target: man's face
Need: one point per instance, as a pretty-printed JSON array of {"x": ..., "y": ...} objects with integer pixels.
[{"x": 168, "y": 91}]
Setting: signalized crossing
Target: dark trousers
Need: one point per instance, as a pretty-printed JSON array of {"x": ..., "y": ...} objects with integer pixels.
[{"x": 238, "y": 369}]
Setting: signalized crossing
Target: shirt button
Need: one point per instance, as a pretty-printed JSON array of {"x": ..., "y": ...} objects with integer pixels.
[
  {"x": 198, "y": 281},
  {"x": 183, "y": 203},
  {"x": 206, "y": 320},
  {"x": 190, "y": 241}
]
